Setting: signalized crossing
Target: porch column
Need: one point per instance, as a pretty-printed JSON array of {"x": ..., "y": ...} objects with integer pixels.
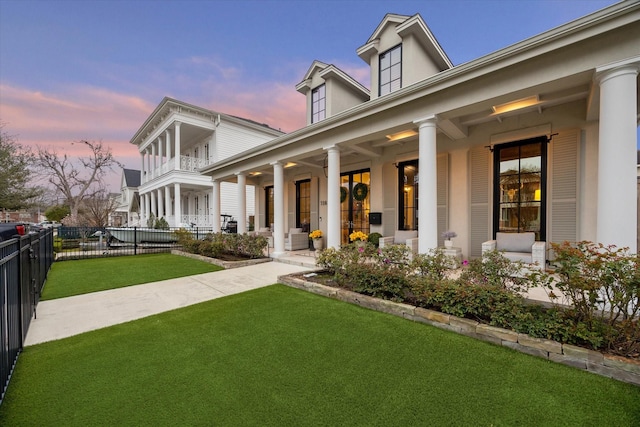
[
  {"x": 160, "y": 204},
  {"x": 215, "y": 211},
  {"x": 167, "y": 139},
  {"x": 160, "y": 151},
  {"x": 278, "y": 209},
  {"x": 333, "y": 196},
  {"x": 143, "y": 207},
  {"x": 617, "y": 180},
  {"x": 242, "y": 203},
  {"x": 428, "y": 186},
  {"x": 177, "y": 145},
  {"x": 149, "y": 170},
  {"x": 154, "y": 209},
  {"x": 142, "y": 168},
  {"x": 167, "y": 201},
  {"x": 147, "y": 208},
  {"x": 177, "y": 201},
  {"x": 153, "y": 159}
]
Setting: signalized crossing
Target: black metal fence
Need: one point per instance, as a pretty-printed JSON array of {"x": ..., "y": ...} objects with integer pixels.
[
  {"x": 92, "y": 242},
  {"x": 24, "y": 264}
]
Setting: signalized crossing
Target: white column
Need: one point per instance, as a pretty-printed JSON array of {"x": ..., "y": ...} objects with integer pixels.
[
  {"x": 177, "y": 145},
  {"x": 160, "y": 204},
  {"x": 428, "y": 185},
  {"x": 149, "y": 170},
  {"x": 160, "y": 152},
  {"x": 147, "y": 207},
  {"x": 167, "y": 138},
  {"x": 242, "y": 202},
  {"x": 278, "y": 209},
  {"x": 154, "y": 172},
  {"x": 142, "y": 168},
  {"x": 154, "y": 209},
  {"x": 215, "y": 212},
  {"x": 333, "y": 197},
  {"x": 177, "y": 204},
  {"x": 617, "y": 179},
  {"x": 142, "y": 209},
  {"x": 167, "y": 201}
]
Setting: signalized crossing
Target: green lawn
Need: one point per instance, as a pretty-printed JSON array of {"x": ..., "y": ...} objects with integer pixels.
[
  {"x": 67, "y": 278},
  {"x": 284, "y": 357}
]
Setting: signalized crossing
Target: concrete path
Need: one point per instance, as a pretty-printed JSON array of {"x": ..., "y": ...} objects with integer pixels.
[{"x": 65, "y": 317}]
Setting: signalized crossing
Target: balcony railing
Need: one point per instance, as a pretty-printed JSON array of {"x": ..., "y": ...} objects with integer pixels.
[{"x": 190, "y": 164}]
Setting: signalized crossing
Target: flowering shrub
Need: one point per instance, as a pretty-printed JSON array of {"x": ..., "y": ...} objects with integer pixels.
[
  {"x": 216, "y": 244},
  {"x": 601, "y": 284},
  {"x": 315, "y": 234},
  {"x": 358, "y": 235}
]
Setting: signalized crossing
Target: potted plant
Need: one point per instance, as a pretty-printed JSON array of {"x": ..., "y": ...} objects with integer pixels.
[
  {"x": 448, "y": 236},
  {"x": 359, "y": 238},
  {"x": 316, "y": 236}
]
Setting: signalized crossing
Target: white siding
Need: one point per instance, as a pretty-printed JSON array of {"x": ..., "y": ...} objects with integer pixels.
[{"x": 232, "y": 139}]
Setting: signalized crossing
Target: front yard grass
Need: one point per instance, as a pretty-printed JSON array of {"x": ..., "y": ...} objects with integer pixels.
[
  {"x": 280, "y": 356},
  {"x": 68, "y": 278}
]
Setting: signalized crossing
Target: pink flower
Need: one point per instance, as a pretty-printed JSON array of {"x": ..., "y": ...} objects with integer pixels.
[
  {"x": 465, "y": 262},
  {"x": 360, "y": 249}
]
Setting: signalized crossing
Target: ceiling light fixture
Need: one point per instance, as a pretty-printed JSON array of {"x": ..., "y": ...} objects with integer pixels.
[
  {"x": 516, "y": 105},
  {"x": 402, "y": 135}
]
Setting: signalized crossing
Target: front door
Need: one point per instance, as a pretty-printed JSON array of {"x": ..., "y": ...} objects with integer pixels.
[{"x": 354, "y": 203}]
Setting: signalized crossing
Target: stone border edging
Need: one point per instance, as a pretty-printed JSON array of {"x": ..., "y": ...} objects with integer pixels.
[
  {"x": 611, "y": 366},
  {"x": 219, "y": 262}
]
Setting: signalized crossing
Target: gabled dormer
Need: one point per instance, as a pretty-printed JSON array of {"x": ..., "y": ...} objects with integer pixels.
[
  {"x": 402, "y": 51},
  {"x": 329, "y": 90}
]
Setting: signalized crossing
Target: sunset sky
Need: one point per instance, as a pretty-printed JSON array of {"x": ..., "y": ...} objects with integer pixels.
[{"x": 95, "y": 70}]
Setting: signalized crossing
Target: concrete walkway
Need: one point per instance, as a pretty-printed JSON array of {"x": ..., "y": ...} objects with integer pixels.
[{"x": 65, "y": 317}]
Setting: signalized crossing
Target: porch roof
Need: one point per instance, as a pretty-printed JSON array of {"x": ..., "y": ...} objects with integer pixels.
[{"x": 464, "y": 95}]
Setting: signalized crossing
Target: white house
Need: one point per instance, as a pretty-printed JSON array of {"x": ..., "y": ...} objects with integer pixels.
[
  {"x": 538, "y": 136},
  {"x": 178, "y": 139},
  {"x": 128, "y": 202}
]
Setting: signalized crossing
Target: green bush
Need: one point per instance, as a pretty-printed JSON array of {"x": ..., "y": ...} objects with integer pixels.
[
  {"x": 374, "y": 238},
  {"x": 601, "y": 284},
  {"x": 216, "y": 244}
]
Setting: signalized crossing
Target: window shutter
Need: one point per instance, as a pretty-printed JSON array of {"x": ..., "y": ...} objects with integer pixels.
[
  {"x": 564, "y": 187},
  {"x": 442, "y": 166},
  {"x": 480, "y": 186}
]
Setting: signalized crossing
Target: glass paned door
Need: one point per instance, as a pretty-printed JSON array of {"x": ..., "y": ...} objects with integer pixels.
[
  {"x": 408, "y": 195},
  {"x": 520, "y": 187},
  {"x": 354, "y": 203},
  {"x": 268, "y": 211},
  {"x": 303, "y": 204}
]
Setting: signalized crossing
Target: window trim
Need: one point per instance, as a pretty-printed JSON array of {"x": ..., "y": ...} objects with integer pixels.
[
  {"x": 543, "y": 140},
  {"x": 322, "y": 104},
  {"x": 380, "y": 70}
]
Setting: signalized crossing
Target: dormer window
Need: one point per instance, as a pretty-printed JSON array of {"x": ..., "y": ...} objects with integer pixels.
[
  {"x": 318, "y": 104},
  {"x": 391, "y": 70}
]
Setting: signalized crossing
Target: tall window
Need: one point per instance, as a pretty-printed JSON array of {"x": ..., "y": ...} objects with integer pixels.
[
  {"x": 391, "y": 70},
  {"x": 408, "y": 195},
  {"x": 354, "y": 202},
  {"x": 268, "y": 212},
  {"x": 318, "y": 104},
  {"x": 519, "y": 187},
  {"x": 303, "y": 204}
]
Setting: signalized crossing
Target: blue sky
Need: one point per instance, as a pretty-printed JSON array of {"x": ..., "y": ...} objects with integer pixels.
[{"x": 95, "y": 69}]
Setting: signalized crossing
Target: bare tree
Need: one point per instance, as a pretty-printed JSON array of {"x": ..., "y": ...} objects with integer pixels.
[
  {"x": 97, "y": 208},
  {"x": 77, "y": 181}
]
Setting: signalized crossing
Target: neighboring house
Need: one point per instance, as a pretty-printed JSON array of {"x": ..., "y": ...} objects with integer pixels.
[
  {"x": 175, "y": 142},
  {"x": 128, "y": 206},
  {"x": 539, "y": 136}
]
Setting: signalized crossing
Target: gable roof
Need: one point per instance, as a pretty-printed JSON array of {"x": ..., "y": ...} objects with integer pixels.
[
  {"x": 131, "y": 177},
  {"x": 404, "y": 26},
  {"x": 327, "y": 71}
]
